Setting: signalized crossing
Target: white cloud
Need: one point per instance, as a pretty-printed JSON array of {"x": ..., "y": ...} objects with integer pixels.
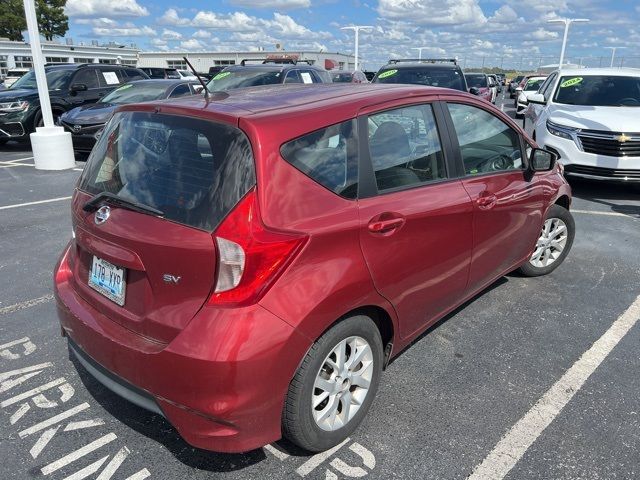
[
  {"x": 102, "y": 8},
  {"x": 505, "y": 14},
  {"x": 171, "y": 35},
  {"x": 237, "y": 21},
  {"x": 192, "y": 44},
  {"x": 541, "y": 35},
  {"x": 272, "y": 4},
  {"x": 127, "y": 31},
  {"x": 432, "y": 12},
  {"x": 171, "y": 17},
  {"x": 201, "y": 34}
]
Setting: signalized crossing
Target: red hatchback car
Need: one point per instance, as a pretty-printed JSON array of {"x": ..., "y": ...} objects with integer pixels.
[{"x": 246, "y": 266}]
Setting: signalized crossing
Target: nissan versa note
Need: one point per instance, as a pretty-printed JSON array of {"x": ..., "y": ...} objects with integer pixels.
[{"x": 247, "y": 265}]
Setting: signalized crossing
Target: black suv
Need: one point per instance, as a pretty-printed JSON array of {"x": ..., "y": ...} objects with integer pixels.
[
  {"x": 70, "y": 86},
  {"x": 435, "y": 72},
  {"x": 153, "y": 72},
  {"x": 268, "y": 72}
]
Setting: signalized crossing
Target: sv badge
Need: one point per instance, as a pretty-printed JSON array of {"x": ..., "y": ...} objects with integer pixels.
[{"x": 168, "y": 278}]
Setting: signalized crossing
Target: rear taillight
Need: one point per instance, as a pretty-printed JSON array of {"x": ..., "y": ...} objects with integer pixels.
[
  {"x": 250, "y": 256},
  {"x": 63, "y": 271}
]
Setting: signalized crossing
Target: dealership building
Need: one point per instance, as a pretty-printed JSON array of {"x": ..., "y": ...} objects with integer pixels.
[
  {"x": 18, "y": 55},
  {"x": 202, "y": 61}
]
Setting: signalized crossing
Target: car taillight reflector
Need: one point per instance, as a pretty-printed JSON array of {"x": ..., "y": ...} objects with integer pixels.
[{"x": 250, "y": 255}]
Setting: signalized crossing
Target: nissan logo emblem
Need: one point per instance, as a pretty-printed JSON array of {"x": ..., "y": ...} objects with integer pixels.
[{"x": 102, "y": 215}]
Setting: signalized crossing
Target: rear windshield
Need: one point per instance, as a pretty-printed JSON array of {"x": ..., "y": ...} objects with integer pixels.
[
  {"x": 244, "y": 78},
  {"x": 599, "y": 90},
  {"x": 534, "y": 84},
  {"x": 478, "y": 81},
  {"x": 193, "y": 170},
  {"x": 435, "y": 77}
]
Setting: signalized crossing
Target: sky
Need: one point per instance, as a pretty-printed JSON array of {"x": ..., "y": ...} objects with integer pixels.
[{"x": 508, "y": 33}]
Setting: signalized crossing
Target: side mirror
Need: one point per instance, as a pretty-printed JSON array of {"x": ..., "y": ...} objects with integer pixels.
[
  {"x": 474, "y": 91},
  {"x": 542, "y": 160},
  {"x": 536, "y": 98},
  {"x": 78, "y": 87}
]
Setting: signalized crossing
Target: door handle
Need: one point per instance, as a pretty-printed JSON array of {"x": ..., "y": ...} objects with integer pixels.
[
  {"x": 487, "y": 201},
  {"x": 385, "y": 226}
]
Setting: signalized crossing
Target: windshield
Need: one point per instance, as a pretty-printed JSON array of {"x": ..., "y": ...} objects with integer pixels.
[
  {"x": 192, "y": 170},
  {"x": 478, "y": 81},
  {"x": 599, "y": 90},
  {"x": 56, "y": 80},
  {"x": 244, "y": 78},
  {"x": 435, "y": 77},
  {"x": 534, "y": 84},
  {"x": 518, "y": 79},
  {"x": 135, "y": 92}
]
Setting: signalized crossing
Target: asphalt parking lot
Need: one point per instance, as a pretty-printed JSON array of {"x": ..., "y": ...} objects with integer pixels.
[{"x": 507, "y": 365}]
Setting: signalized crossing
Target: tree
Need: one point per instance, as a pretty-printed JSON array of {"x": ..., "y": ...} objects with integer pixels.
[
  {"x": 52, "y": 20},
  {"x": 12, "y": 21}
]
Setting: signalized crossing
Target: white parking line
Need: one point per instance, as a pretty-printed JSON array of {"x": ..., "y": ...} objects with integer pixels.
[
  {"x": 26, "y": 304},
  {"x": 521, "y": 436},
  {"x": 596, "y": 212},
  {"x": 17, "y": 160},
  {"x": 59, "y": 199}
]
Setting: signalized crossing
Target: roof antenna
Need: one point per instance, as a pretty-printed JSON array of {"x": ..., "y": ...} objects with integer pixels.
[{"x": 206, "y": 90}]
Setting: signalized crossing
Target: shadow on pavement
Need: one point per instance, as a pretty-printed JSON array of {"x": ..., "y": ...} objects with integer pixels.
[{"x": 617, "y": 196}]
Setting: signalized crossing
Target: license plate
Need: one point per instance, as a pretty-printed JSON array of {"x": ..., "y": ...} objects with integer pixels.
[{"x": 108, "y": 280}]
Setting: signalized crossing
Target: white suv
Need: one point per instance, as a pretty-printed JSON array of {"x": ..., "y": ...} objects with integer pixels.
[{"x": 591, "y": 119}]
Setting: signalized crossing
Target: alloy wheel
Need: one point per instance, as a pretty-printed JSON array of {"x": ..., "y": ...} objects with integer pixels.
[
  {"x": 550, "y": 244},
  {"x": 342, "y": 383}
]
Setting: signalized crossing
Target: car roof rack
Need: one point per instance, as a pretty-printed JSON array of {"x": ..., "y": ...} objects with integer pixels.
[
  {"x": 277, "y": 61},
  {"x": 424, "y": 60}
]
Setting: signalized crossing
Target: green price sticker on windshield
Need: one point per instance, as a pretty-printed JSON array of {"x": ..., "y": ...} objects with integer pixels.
[
  {"x": 388, "y": 73},
  {"x": 571, "y": 82},
  {"x": 221, "y": 75},
  {"x": 124, "y": 87}
]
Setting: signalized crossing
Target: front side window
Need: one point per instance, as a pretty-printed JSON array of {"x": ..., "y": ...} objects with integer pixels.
[
  {"x": 181, "y": 91},
  {"x": 487, "y": 144},
  {"x": 193, "y": 170},
  {"x": 599, "y": 90},
  {"x": 292, "y": 77},
  {"x": 405, "y": 147},
  {"x": 328, "y": 156}
]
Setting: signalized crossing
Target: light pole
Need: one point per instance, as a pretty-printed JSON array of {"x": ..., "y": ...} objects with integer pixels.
[
  {"x": 356, "y": 29},
  {"x": 613, "y": 53},
  {"x": 419, "y": 51},
  {"x": 566, "y": 22}
]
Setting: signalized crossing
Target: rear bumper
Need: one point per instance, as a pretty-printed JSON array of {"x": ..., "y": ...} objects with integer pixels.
[{"x": 221, "y": 382}]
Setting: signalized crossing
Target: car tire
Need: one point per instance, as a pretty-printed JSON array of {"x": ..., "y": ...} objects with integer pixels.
[
  {"x": 302, "y": 421},
  {"x": 546, "y": 256},
  {"x": 39, "y": 122}
]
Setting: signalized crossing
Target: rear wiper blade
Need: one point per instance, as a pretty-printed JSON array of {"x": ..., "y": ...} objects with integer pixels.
[{"x": 92, "y": 204}]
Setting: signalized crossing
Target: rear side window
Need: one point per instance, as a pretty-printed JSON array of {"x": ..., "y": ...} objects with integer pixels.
[
  {"x": 88, "y": 77},
  {"x": 328, "y": 156},
  {"x": 195, "y": 171},
  {"x": 133, "y": 74}
]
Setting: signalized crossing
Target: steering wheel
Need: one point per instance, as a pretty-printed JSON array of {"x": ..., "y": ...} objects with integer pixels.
[
  {"x": 154, "y": 139},
  {"x": 498, "y": 162},
  {"x": 629, "y": 101}
]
